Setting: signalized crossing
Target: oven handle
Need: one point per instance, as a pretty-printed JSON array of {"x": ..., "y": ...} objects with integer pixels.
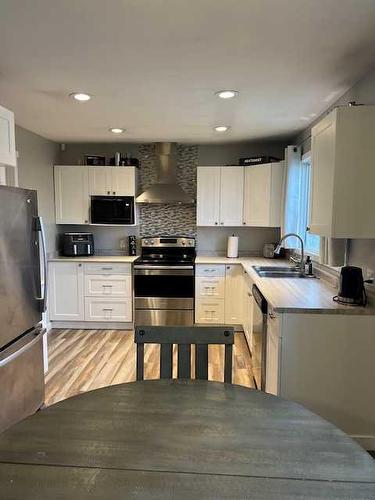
[
  {"x": 164, "y": 271},
  {"x": 145, "y": 266}
]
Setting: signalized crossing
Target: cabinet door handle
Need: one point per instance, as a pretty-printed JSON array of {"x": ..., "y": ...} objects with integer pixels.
[
  {"x": 108, "y": 192},
  {"x": 222, "y": 223},
  {"x": 244, "y": 223},
  {"x": 249, "y": 294},
  {"x": 271, "y": 315},
  {"x": 114, "y": 192},
  {"x": 216, "y": 223},
  {"x": 86, "y": 221}
]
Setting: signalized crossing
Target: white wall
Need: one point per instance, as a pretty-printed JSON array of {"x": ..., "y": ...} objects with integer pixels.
[{"x": 35, "y": 171}]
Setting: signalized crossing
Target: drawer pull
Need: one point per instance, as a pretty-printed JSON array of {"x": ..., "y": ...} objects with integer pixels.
[
  {"x": 107, "y": 309},
  {"x": 107, "y": 286},
  {"x": 107, "y": 268}
]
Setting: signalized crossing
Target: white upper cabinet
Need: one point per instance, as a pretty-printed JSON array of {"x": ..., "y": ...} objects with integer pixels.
[
  {"x": 111, "y": 181},
  {"x": 7, "y": 138},
  {"x": 343, "y": 174},
  {"x": 231, "y": 196},
  {"x": 71, "y": 194},
  {"x": 219, "y": 196},
  {"x": 263, "y": 195},
  {"x": 208, "y": 196},
  {"x": 100, "y": 181},
  {"x": 123, "y": 181}
]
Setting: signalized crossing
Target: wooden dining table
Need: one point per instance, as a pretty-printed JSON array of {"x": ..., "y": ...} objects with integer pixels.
[{"x": 180, "y": 439}]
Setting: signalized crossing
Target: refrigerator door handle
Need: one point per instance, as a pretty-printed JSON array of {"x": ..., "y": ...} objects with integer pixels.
[
  {"x": 40, "y": 229},
  {"x": 24, "y": 348}
]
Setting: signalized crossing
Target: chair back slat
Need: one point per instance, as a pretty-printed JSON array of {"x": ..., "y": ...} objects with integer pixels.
[
  {"x": 201, "y": 362},
  {"x": 184, "y": 336},
  {"x": 166, "y": 360},
  {"x": 184, "y": 363},
  {"x": 140, "y": 361},
  {"x": 228, "y": 364}
]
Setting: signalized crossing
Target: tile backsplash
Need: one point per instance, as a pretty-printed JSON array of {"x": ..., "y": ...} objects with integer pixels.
[{"x": 168, "y": 219}]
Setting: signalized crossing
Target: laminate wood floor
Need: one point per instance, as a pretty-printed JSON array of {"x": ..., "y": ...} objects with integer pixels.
[{"x": 83, "y": 360}]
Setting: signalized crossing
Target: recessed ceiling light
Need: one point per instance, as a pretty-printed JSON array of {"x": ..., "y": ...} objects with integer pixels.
[
  {"x": 117, "y": 130},
  {"x": 80, "y": 96},
  {"x": 227, "y": 94},
  {"x": 221, "y": 128}
]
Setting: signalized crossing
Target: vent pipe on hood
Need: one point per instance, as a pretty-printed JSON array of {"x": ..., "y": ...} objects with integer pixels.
[{"x": 166, "y": 189}]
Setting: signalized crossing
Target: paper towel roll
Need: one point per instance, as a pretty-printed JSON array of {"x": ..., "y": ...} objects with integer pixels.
[{"x": 232, "y": 249}]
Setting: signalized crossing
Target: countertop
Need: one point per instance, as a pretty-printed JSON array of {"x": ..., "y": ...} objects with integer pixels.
[
  {"x": 291, "y": 295},
  {"x": 97, "y": 258}
]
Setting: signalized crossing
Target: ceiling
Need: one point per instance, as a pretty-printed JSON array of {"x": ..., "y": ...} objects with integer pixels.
[{"x": 153, "y": 65}]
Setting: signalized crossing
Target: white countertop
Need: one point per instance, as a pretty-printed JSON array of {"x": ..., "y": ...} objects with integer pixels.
[
  {"x": 97, "y": 258},
  {"x": 290, "y": 295}
]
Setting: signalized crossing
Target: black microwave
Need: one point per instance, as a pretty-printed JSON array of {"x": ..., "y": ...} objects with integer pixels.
[{"x": 112, "y": 210}]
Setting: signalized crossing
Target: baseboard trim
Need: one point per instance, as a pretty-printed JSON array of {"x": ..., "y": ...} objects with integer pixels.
[
  {"x": 367, "y": 442},
  {"x": 92, "y": 325}
]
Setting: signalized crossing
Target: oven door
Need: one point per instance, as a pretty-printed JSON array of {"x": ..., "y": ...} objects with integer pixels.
[
  {"x": 164, "y": 295},
  {"x": 112, "y": 210}
]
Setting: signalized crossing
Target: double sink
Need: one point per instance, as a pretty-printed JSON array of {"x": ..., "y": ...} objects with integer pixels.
[{"x": 278, "y": 272}]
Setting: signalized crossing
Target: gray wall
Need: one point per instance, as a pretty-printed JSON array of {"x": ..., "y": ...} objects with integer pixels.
[
  {"x": 362, "y": 252},
  {"x": 158, "y": 219},
  {"x": 35, "y": 170}
]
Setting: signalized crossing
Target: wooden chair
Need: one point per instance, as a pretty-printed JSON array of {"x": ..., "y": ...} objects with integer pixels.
[{"x": 184, "y": 336}]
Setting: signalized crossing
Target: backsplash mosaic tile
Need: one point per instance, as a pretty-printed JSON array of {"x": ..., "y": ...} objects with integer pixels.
[{"x": 169, "y": 219}]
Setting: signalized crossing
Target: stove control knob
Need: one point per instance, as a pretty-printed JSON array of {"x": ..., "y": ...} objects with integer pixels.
[
  {"x": 145, "y": 242},
  {"x": 183, "y": 242},
  {"x": 151, "y": 242}
]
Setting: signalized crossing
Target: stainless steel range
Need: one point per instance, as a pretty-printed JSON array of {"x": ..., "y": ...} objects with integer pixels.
[{"x": 164, "y": 281}]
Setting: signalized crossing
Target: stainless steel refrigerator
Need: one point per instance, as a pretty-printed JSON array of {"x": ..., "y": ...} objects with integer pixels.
[{"x": 22, "y": 302}]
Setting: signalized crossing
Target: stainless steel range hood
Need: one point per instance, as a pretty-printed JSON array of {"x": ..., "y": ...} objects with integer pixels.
[{"x": 166, "y": 190}]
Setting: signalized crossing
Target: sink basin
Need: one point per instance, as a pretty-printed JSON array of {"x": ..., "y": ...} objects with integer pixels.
[{"x": 277, "y": 272}]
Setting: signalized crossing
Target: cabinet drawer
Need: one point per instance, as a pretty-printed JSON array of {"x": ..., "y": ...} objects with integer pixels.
[
  {"x": 107, "y": 268},
  {"x": 210, "y": 270},
  {"x": 107, "y": 285},
  {"x": 209, "y": 287},
  {"x": 108, "y": 309},
  {"x": 209, "y": 311}
]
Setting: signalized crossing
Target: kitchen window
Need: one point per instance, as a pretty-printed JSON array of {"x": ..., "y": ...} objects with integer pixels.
[
  {"x": 311, "y": 241},
  {"x": 297, "y": 202}
]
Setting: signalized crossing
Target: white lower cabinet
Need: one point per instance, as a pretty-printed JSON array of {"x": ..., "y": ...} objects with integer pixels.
[
  {"x": 108, "y": 309},
  {"x": 66, "y": 299},
  {"x": 219, "y": 294},
  {"x": 209, "y": 311},
  {"x": 99, "y": 285},
  {"x": 234, "y": 289},
  {"x": 210, "y": 287},
  {"x": 273, "y": 353},
  {"x": 90, "y": 292}
]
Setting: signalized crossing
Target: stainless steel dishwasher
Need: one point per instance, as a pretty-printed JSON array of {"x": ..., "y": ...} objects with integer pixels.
[{"x": 259, "y": 338}]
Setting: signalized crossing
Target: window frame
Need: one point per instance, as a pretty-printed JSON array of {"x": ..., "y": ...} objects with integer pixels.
[{"x": 305, "y": 206}]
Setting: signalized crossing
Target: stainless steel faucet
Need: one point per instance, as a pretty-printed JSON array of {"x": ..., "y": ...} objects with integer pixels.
[{"x": 302, "y": 261}]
